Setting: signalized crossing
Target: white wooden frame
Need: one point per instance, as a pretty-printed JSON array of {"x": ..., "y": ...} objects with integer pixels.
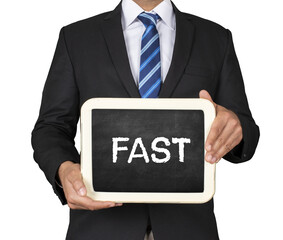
[{"x": 137, "y": 103}]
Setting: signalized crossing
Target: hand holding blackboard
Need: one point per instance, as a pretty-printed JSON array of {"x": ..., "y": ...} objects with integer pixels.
[
  {"x": 75, "y": 192},
  {"x": 147, "y": 150},
  {"x": 226, "y": 132}
]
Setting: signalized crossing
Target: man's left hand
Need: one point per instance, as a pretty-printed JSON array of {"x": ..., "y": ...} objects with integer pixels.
[{"x": 225, "y": 133}]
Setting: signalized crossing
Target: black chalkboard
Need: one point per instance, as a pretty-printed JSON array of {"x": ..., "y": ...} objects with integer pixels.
[{"x": 140, "y": 176}]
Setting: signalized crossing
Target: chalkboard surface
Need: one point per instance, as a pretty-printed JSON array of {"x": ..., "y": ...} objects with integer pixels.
[{"x": 112, "y": 171}]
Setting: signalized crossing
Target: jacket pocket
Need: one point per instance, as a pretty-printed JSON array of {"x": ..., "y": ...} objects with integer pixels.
[{"x": 194, "y": 80}]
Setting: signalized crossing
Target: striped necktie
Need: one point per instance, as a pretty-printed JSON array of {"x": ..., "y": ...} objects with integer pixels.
[{"x": 150, "y": 65}]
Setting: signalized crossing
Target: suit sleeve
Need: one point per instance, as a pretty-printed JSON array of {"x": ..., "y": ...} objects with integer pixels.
[
  {"x": 55, "y": 129},
  {"x": 231, "y": 94}
]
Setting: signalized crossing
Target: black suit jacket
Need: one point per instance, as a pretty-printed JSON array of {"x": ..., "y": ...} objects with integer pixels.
[{"x": 91, "y": 61}]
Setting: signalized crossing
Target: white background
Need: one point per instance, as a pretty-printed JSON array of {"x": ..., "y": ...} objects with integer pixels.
[{"x": 248, "y": 200}]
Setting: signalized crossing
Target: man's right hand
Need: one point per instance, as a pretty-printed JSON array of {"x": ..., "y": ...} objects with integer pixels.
[{"x": 75, "y": 190}]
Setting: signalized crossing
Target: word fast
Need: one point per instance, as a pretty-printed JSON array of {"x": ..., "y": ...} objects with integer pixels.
[{"x": 138, "y": 141}]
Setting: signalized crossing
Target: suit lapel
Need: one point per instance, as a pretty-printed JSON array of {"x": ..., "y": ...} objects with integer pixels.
[
  {"x": 181, "y": 53},
  {"x": 113, "y": 33}
]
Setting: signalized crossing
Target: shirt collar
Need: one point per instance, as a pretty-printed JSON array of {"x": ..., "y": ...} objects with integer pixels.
[{"x": 131, "y": 10}]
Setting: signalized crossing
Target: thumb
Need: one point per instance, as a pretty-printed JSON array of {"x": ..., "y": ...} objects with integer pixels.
[
  {"x": 79, "y": 187},
  {"x": 205, "y": 95},
  {"x": 76, "y": 179}
]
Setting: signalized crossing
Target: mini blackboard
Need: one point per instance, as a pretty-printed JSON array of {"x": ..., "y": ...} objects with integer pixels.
[{"x": 146, "y": 150}]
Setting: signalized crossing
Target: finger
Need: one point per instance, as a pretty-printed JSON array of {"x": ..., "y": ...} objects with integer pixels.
[
  {"x": 216, "y": 129},
  {"x": 75, "y": 178},
  {"x": 205, "y": 95},
  {"x": 232, "y": 142},
  {"x": 97, "y": 205},
  {"x": 227, "y": 147},
  {"x": 88, "y": 203},
  {"x": 79, "y": 207},
  {"x": 221, "y": 139}
]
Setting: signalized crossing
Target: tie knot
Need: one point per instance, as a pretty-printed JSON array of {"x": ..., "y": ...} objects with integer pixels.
[{"x": 148, "y": 19}]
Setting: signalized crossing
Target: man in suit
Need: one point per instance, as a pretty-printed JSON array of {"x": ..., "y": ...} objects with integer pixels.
[{"x": 100, "y": 57}]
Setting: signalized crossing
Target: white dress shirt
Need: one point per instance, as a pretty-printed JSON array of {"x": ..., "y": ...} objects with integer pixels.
[{"x": 133, "y": 30}]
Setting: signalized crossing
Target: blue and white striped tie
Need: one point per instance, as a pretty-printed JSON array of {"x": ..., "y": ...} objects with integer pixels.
[{"x": 150, "y": 66}]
